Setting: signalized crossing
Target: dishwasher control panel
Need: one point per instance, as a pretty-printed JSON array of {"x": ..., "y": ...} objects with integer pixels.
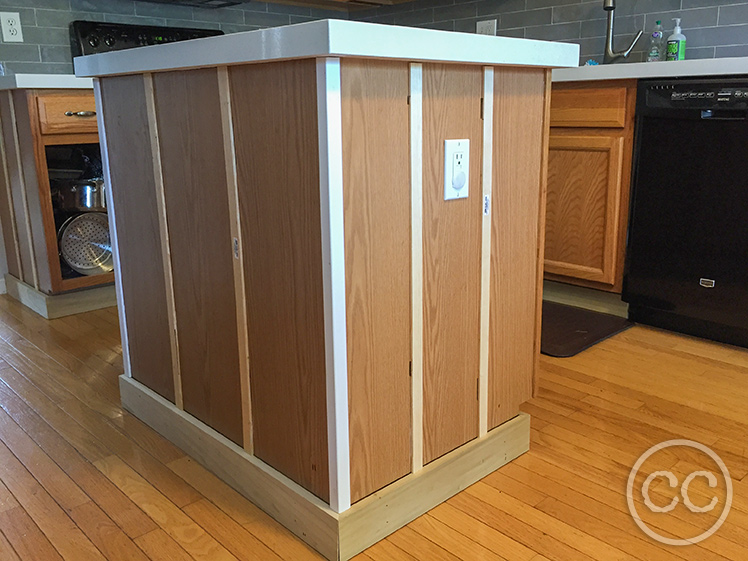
[{"x": 698, "y": 94}]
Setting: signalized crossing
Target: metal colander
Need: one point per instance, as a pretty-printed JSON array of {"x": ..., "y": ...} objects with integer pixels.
[{"x": 85, "y": 245}]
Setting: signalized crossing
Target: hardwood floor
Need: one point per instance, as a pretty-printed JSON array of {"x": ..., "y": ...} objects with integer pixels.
[{"x": 80, "y": 479}]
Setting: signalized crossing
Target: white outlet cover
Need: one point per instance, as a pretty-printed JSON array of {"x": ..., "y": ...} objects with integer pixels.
[
  {"x": 456, "y": 169},
  {"x": 11, "y": 26},
  {"x": 486, "y": 27}
]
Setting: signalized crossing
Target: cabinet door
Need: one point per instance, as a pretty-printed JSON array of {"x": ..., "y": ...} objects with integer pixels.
[{"x": 584, "y": 199}]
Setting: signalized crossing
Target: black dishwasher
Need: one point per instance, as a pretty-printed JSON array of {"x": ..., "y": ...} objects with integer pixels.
[{"x": 687, "y": 247}]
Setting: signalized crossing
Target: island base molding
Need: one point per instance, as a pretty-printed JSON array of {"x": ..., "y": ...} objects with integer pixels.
[
  {"x": 53, "y": 306},
  {"x": 336, "y": 536}
]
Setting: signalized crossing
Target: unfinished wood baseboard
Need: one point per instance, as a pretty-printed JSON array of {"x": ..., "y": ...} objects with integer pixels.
[
  {"x": 380, "y": 514},
  {"x": 588, "y": 298},
  {"x": 338, "y": 537},
  {"x": 60, "y": 305}
]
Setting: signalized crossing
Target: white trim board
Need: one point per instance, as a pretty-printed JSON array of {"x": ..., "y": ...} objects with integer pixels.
[{"x": 330, "y": 122}]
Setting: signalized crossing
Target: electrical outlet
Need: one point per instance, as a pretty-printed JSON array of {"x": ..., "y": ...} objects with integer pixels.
[
  {"x": 456, "y": 169},
  {"x": 486, "y": 27},
  {"x": 11, "y": 26}
]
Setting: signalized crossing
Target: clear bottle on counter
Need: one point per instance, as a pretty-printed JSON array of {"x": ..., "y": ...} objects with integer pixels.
[{"x": 656, "y": 43}]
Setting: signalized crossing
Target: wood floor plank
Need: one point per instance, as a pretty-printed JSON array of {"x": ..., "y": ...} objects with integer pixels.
[
  {"x": 230, "y": 534},
  {"x": 7, "y": 553},
  {"x": 59, "y": 529},
  {"x": 254, "y": 520},
  {"x": 191, "y": 537},
  {"x": 102, "y": 491},
  {"x": 419, "y": 546},
  {"x": 160, "y": 547},
  {"x": 451, "y": 540},
  {"x": 25, "y": 537},
  {"x": 105, "y": 534}
]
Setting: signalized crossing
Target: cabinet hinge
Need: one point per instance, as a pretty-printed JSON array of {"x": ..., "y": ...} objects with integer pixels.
[
  {"x": 477, "y": 389},
  {"x": 408, "y": 100},
  {"x": 482, "y": 100},
  {"x": 410, "y": 368}
]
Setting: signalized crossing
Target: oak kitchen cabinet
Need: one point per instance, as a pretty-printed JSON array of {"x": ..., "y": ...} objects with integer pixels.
[
  {"x": 37, "y": 120},
  {"x": 589, "y": 173}
]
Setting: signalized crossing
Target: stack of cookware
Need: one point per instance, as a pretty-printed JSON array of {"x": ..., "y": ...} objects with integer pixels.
[{"x": 79, "y": 197}]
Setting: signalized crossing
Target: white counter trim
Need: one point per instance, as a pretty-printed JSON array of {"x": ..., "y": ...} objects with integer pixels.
[
  {"x": 636, "y": 70},
  {"x": 332, "y": 214},
  {"x": 44, "y": 81},
  {"x": 332, "y": 38}
]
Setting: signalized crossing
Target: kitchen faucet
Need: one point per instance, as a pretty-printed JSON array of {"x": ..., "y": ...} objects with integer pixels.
[{"x": 610, "y": 55}]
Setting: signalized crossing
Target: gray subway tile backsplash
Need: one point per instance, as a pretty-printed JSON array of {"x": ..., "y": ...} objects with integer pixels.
[{"x": 714, "y": 28}]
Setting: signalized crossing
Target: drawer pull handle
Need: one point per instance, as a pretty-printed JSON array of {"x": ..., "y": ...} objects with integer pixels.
[{"x": 80, "y": 113}]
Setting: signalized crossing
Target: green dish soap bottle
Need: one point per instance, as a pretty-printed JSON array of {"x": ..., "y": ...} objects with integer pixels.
[{"x": 676, "y": 43}]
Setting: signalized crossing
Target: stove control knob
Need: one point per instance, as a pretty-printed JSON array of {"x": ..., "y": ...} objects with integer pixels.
[
  {"x": 109, "y": 40},
  {"x": 93, "y": 40}
]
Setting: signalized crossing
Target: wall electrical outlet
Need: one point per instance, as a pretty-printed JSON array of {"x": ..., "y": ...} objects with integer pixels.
[
  {"x": 486, "y": 27},
  {"x": 11, "y": 26},
  {"x": 456, "y": 169}
]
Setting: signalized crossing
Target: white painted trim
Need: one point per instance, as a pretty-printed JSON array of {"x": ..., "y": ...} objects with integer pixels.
[
  {"x": 24, "y": 196},
  {"x": 416, "y": 226},
  {"x": 332, "y": 38},
  {"x": 333, "y": 270},
  {"x": 485, "y": 286},
  {"x": 112, "y": 214},
  {"x": 158, "y": 180},
  {"x": 242, "y": 325}
]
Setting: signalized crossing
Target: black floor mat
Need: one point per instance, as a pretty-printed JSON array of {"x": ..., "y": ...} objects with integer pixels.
[{"x": 568, "y": 330}]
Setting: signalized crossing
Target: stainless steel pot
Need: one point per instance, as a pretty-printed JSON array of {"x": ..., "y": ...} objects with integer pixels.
[{"x": 83, "y": 195}]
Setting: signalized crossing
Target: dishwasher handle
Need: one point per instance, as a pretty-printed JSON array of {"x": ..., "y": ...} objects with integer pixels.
[{"x": 714, "y": 116}]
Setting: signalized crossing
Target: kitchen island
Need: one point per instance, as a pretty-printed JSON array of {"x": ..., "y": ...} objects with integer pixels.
[{"x": 302, "y": 310}]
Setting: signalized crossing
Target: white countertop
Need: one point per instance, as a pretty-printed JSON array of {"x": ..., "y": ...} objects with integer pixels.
[
  {"x": 633, "y": 70},
  {"x": 332, "y": 38},
  {"x": 44, "y": 81}
]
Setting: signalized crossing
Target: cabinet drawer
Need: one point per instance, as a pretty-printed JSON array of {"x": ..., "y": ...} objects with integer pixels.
[
  {"x": 61, "y": 113},
  {"x": 589, "y": 107}
]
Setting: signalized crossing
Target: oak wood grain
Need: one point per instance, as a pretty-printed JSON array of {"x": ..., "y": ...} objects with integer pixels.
[
  {"x": 451, "y": 261},
  {"x": 377, "y": 244},
  {"x": 278, "y": 184},
  {"x": 53, "y": 106},
  {"x": 591, "y": 107},
  {"x": 194, "y": 179},
  {"x": 7, "y": 214},
  {"x": 143, "y": 285},
  {"x": 582, "y": 226},
  {"x": 519, "y": 108}
]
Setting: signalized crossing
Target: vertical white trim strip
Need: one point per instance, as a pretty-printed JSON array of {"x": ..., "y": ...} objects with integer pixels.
[
  {"x": 242, "y": 326},
  {"x": 329, "y": 114},
  {"x": 112, "y": 213},
  {"x": 485, "y": 287},
  {"x": 416, "y": 226},
  {"x": 6, "y": 173},
  {"x": 24, "y": 196},
  {"x": 163, "y": 226}
]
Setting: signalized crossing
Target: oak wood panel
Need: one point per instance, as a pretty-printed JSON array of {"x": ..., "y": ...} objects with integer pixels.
[
  {"x": 195, "y": 189},
  {"x": 38, "y": 194},
  {"x": 589, "y": 107},
  {"x": 278, "y": 183},
  {"x": 53, "y": 106},
  {"x": 519, "y": 110},
  {"x": 134, "y": 193},
  {"x": 582, "y": 227},
  {"x": 17, "y": 185},
  {"x": 451, "y": 261},
  {"x": 7, "y": 215},
  {"x": 87, "y": 281},
  {"x": 377, "y": 246}
]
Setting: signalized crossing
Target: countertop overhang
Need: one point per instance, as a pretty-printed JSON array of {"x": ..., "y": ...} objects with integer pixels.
[
  {"x": 332, "y": 38},
  {"x": 643, "y": 70},
  {"x": 44, "y": 81}
]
